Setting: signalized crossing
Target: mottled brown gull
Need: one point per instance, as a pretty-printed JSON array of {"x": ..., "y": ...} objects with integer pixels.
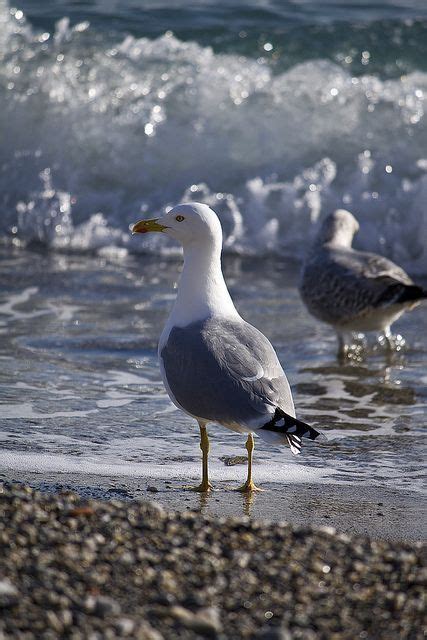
[
  {"x": 354, "y": 290},
  {"x": 215, "y": 366}
]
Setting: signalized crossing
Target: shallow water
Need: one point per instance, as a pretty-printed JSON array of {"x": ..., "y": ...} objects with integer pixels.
[
  {"x": 81, "y": 390},
  {"x": 275, "y": 113}
]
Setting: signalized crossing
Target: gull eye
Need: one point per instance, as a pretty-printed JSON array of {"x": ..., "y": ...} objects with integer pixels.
[{"x": 179, "y": 218}]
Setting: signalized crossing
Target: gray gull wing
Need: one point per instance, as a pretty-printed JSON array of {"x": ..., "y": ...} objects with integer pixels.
[{"x": 226, "y": 371}]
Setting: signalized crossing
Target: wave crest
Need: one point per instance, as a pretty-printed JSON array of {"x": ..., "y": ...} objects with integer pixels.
[{"x": 90, "y": 125}]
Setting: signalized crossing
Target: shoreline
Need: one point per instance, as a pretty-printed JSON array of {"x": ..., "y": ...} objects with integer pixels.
[{"x": 377, "y": 512}]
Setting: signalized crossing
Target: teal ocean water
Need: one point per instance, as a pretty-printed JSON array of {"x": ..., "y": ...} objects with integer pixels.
[{"x": 274, "y": 113}]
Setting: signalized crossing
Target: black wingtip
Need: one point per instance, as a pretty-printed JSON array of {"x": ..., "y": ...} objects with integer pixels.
[
  {"x": 412, "y": 293},
  {"x": 399, "y": 293},
  {"x": 287, "y": 425}
]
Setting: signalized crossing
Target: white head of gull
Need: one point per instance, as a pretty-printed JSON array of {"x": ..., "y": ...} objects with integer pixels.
[
  {"x": 202, "y": 290},
  {"x": 215, "y": 366}
]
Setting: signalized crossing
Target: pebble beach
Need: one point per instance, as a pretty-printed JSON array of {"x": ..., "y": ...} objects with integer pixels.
[
  {"x": 275, "y": 114},
  {"x": 79, "y": 568}
]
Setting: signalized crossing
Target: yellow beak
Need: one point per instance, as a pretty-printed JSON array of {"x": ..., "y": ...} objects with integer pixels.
[{"x": 145, "y": 226}]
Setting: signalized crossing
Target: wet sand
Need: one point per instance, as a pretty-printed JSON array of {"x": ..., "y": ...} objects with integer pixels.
[{"x": 380, "y": 513}]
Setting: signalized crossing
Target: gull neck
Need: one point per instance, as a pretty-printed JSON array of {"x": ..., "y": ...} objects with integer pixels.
[{"x": 202, "y": 291}]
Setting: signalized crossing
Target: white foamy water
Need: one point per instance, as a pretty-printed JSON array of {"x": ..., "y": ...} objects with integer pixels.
[
  {"x": 104, "y": 465},
  {"x": 99, "y": 129}
]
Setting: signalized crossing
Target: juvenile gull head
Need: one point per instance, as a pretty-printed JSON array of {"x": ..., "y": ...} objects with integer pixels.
[{"x": 339, "y": 229}]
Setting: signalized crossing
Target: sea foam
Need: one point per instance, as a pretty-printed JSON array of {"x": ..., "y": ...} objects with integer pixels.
[{"x": 97, "y": 132}]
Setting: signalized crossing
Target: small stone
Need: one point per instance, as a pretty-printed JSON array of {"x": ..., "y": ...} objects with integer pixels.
[
  {"x": 152, "y": 489},
  {"x": 8, "y": 594},
  {"x": 124, "y": 626},
  {"x": 54, "y": 622},
  {"x": 206, "y": 621},
  {"x": 231, "y": 461},
  {"x": 127, "y": 558},
  {"x": 102, "y": 606},
  {"x": 66, "y": 617},
  {"x": 146, "y": 632},
  {"x": 89, "y": 604}
]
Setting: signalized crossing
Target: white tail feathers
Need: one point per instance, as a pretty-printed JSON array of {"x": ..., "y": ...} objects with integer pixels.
[{"x": 294, "y": 444}]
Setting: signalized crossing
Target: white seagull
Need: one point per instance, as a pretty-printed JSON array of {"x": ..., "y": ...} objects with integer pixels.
[
  {"x": 215, "y": 366},
  {"x": 354, "y": 290}
]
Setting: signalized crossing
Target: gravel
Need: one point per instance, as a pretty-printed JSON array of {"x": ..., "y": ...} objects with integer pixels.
[{"x": 92, "y": 569}]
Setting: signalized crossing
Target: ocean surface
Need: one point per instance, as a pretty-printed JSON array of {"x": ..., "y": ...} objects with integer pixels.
[
  {"x": 82, "y": 391},
  {"x": 273, "y": 112}
]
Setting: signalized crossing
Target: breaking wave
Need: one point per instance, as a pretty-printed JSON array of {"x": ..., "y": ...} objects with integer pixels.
[{"x": 96, "y": 132}]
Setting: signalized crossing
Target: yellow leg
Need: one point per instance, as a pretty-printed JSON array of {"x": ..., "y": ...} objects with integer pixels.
[
  {"x": 249, "y": 484},
  {"x": 205, "y": 485}
]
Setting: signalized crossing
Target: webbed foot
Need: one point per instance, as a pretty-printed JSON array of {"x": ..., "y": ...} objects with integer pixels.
[
  {"x": 248, "y": 487},
  {"x": 203, "y": 487}
]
